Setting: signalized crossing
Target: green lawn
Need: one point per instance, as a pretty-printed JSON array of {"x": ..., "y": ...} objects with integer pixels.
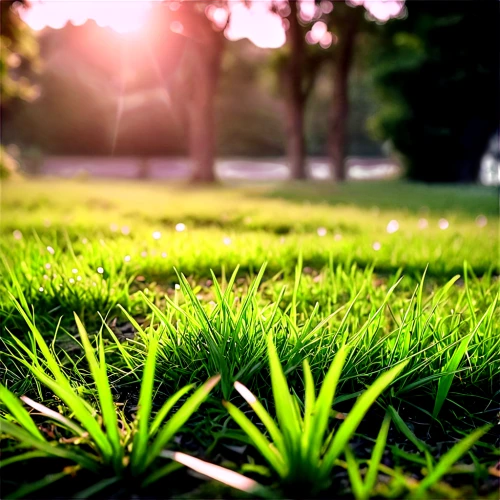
[{"x": 202, "y": 280}]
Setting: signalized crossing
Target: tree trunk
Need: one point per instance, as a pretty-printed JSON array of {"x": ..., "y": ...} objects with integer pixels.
[
  {"x": 202, "y": 138},
  {"x": 295, "y": 97},
  {"x": 337, "y": 143},
  {"x": 296, "y": 147}
]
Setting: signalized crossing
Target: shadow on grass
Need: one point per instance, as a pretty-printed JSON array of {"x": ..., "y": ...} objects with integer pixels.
[{"x": 415, "y": 197}]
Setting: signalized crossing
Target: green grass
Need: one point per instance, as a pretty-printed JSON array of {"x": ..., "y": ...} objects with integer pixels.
[{"x": 160, "y": 310}]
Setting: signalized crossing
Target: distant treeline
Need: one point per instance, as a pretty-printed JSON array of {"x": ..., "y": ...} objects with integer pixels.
[{"x": 84, "y": 108}]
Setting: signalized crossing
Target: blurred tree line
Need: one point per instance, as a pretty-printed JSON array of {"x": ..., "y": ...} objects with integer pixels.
[
  {"x": 77, "y": 110},
  {"x": 437, "y": 76},
  {"x": 18, "y": 56},
  {"x": 427, "y": 82}
]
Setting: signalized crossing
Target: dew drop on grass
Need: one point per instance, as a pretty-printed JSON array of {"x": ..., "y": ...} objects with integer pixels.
[
  {"x": 177, "y": 286},
  {"x": 164, "y": 255},
  {"x": 78, "y": 278},
  {"x": 47, "y": 266},
  {"x": 443, "y": 224},
  {"x": 100, "y": 270},
  {"x": 71, "y": 280},
  {"x": 481, "y": 220},
  {"x": 51, "y": 250},
  {"x": 180, "y": 227},
  {"x": 393, "y": 226},
  {"x": 40, "y": 289},
  {"x": 321, "y": 231},
  {"x": 74, "y": 271},
  {"x": 17, "y": 234},
  {"x": 226, "y": 240},
  {"x": 156, "y": 235},
  {"x": 45, "y": 277},
  {"x": 376, "y": 246},
  {"x": 127, "y": 258}
]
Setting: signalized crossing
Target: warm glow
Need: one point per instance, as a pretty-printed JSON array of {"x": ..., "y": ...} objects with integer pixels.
[
  {"x": 383, "y": 10},
  {"x": 257, "y": 23},
  {"x": 121, "y": 16},
  {"x": 254, "y": 20},
  {"x": 247, "y": 395},
  {"x": 221, "y": 474}
]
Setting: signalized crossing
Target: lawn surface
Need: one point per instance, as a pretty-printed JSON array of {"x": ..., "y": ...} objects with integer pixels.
[{"x": 395, "y": 271}]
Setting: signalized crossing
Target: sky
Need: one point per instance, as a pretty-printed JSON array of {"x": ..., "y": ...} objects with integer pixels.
[{"x": 255, "y": 22}]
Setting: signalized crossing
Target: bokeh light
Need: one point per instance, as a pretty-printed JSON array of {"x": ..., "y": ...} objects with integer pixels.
[
  {"x": 443, "y": 224},
  {"x": 393, "y": 226},
  {"x": 481, "y": 220}
]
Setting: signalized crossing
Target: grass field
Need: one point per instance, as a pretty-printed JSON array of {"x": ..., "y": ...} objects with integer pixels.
[{"x": 383, "y": 295}]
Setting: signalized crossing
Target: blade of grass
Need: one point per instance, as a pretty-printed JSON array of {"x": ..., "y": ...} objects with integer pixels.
[
  {"x": 221, "y": 474},
  {"x": 169, "y": 404},
  {"x": 404, "y": 429},
  {"x": 451, "y": 367},
  {"x": 27, "y": 490},
  {"x": 323, "y": 406},
  {"x": 21, "y": 457},
  {"x": 54, "y": 415},
  {"x": 309, "y": 402},
  {"x": 264, "y": 416},
  {"x": 449, "y": 459},
  {"x": 357, "y": 485},
  {"x": 285, "y": 407},
  {"x": 106, "y": 401},
  {"x": 259, "y": 440},
  {"x": 16, "y": 409},
  {"x": 180, "y": 418},
  {"x": 26, "y": 439},
  {"x": 376, "y": 458},
  {"x": 362, "y": 405},
  {"x": 141, "y": 436}
]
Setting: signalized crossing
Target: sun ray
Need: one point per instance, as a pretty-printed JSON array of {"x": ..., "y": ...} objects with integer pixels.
[{"x": 121, "y": 100}]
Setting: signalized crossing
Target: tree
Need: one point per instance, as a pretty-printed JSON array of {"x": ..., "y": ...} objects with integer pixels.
[
  {"x": 208, "y": 47},
  {"x": 186, "y": 43},
  {"x": 437, "y": 77},
  {"x": 334, "y": 33},
  {"x": 17, "y": 49},
  {"x": 347, "y": 21},
  {"x": 297, "y": 66},
  {"x": 205, "y": 49},
  {"x": 300, "y": 67}
]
